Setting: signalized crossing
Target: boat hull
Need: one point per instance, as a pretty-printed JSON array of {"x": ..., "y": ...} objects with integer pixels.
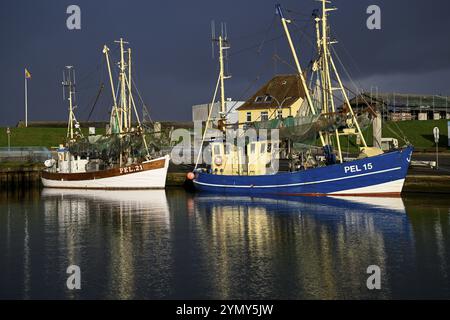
[
  {"x": 381, "y": 175},
  {"x": 147, "y": 175}
]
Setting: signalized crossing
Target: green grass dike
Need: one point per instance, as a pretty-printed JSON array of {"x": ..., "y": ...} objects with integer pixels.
[
  {"x": 418, "y": 133},
  {"x": 37, "y": 136}
]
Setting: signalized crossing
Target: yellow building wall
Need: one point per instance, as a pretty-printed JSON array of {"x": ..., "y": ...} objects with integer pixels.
[{"x": 272, "y": 112}]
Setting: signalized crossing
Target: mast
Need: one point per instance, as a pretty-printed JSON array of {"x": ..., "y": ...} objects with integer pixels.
[
  {"x": 222, "y": 77},
  {"x": 327, "y": 61},
  {"x": 123, "y": 117},
  {"x": 222, "y": 41},
  {"x": 123, "y": 114},
  {"x": 128, "y": 83},
  {"x": 26, "y": 99},
  {"x": 328, "y": 87},
  {"x": 297, "y": 63},
  {"x": 115, "y": 113},
  {"x": 129, "y": 87},
  {"x": 69, "y": 84},
  {"x": 319, "y": 62}
]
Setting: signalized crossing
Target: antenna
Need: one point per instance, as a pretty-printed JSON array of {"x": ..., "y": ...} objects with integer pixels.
[
  {"x": 213, "y": 37},
  {"x": 226, "y": 32},
  {"x": 223, "y": 34},
  {"x": 223, "y": 44},
  {"x": 64, "y": 80},
  {"x": 68, "y": 82}
]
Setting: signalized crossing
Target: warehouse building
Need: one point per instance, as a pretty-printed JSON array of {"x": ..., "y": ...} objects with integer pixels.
[
  {"x": 400, "y": 107},
  {"x": 200, "y": 112}
]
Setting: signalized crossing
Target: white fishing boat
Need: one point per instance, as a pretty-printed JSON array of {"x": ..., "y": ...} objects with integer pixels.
[
  {"x": 145, "y": 175},
  {"x": 121, "y": 159}
]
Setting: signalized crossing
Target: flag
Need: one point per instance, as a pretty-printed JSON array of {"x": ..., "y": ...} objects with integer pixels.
[{"x": 27, "y": 74}]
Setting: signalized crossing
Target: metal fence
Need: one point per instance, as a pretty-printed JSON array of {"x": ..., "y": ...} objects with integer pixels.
[{"x": 24, "y": 154}]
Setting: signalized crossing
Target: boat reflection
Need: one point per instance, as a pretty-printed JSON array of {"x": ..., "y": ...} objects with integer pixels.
[
  {"x": 108, "y": 229},
  {"x": 172, "y": 244},
  {"x": 309, "y": 247}
]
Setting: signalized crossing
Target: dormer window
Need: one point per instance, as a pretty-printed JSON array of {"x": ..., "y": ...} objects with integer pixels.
[
  {"x": 268, "y": 99},
  {"x": 259, "y": 99}
]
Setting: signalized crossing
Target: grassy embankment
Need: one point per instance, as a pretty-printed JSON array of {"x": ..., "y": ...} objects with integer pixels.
[
  {"x": 34, "y": 136},
  {"x": 37, "y": 136},
  {"x": 419, "y": 133}
]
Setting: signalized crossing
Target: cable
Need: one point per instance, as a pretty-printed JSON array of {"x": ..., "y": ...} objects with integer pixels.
[{"x": 95, "y": 101}]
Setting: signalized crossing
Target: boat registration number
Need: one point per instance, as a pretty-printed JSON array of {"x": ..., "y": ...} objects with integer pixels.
[
  {"x": 131, "y": 169},
  {"x": 357, "y": 168}
]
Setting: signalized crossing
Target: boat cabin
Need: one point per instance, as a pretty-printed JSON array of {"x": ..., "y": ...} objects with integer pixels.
[
  {"x": 254, "y": 159},
  {"x": 68, "y": 163}
]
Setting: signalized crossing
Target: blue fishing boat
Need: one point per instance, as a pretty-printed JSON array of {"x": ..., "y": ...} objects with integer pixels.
[
  {"x": 381, "y": 175},
  {"x": 248, "y": 169}
]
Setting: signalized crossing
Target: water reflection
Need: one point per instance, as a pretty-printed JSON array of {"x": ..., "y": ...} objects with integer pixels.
[
  {"x": 170, "y": 244},
  {"x": 126, "y": 230},
  {"x": 298, "y": 247}
]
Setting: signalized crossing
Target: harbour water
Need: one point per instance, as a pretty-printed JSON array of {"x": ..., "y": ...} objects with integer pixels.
[{"x": 176, "y": 245}]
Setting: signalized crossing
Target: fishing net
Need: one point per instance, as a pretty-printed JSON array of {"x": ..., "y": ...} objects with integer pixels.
[
  {"x": 303, "y": 129},
  {"x": 110, "y": 147}
]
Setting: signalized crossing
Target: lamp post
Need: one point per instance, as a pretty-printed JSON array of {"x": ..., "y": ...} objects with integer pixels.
[{"x": 280, "y": 105}]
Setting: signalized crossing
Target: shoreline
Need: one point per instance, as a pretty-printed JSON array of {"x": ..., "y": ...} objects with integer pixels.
[{"x": 429, "y": 181}]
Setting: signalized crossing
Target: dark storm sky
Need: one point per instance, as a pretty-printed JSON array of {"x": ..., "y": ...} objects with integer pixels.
[{"x": 172, "y": 50}]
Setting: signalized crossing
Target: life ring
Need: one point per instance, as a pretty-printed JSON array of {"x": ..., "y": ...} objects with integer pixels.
[{"x": 218, "y": 160}]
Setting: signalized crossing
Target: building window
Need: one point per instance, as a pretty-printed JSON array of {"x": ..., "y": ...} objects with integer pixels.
[
  {"x": 280, "y": 114},
  {"x": 264, "y": 116},
  {"x": 268, "y": 99},
  {"x": 259, "y": 99},
  {"x": 249, "y": 116}
]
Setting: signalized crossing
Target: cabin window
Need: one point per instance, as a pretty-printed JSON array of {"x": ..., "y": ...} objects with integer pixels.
[
  {"x": 259, "y": 99},
  {"x": 217, "y": 149},
  {"x": 249, "y": 116},
  {"x": 252, "y": 148},
  {"x": 264, "y": 116},
  {"x": 227, "y": 149},
  {"x": 263, "y": 148}
]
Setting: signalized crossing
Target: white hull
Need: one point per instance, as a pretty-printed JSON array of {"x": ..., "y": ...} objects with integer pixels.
[
  {"x": 391, "y": 187},
  {"x": 147, "y": 179}
]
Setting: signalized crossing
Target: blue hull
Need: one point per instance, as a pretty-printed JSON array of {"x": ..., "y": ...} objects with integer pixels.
[{"x": 378, "y": 176}]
